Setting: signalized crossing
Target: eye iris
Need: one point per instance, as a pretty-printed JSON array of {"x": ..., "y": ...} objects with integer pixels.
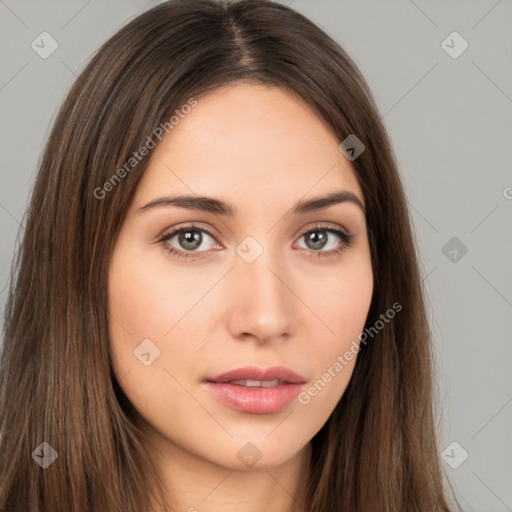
[
  {"x": 318, "y": 241},
  {"x": 186, "y": 238}
]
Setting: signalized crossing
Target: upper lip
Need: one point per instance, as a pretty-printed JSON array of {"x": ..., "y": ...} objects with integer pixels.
[{"x": 262, "y": 374}]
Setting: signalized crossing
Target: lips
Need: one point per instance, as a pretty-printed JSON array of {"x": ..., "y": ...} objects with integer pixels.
[
  {"x": 253, "y": 373},
  {"x": 255, "y": 390}
]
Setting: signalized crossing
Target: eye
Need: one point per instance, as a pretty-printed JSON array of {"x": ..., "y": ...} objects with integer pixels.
[
  {"x": 189, "y": 239},
  {"x": 317, "y": 239}
]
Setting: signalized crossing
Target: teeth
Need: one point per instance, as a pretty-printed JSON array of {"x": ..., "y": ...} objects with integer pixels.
[{"x": 256, "y": 383}]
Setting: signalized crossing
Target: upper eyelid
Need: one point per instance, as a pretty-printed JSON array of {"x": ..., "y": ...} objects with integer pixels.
[{"x": 173, "y": 231}]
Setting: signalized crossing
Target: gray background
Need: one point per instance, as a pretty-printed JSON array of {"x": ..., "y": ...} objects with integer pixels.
[{"x": 450, "y": 123}]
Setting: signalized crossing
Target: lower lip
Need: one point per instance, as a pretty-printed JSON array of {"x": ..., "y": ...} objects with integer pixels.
[{"x": 254, "y": 400}]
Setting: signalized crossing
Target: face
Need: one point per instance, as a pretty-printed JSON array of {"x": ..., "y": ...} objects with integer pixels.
[{"x": 266, "y": 286}]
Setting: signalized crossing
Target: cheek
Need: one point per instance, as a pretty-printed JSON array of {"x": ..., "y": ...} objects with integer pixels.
[
  {"x": 342, "y": 304},
  {"x": 150, "y": 332},
  {"x": 145, "y": 299},
  {"x": 340, "y": 297},
  {"x": 148, "y": 311}
]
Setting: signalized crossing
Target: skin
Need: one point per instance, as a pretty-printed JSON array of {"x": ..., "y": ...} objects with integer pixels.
[{"x": 262, "y": 149}]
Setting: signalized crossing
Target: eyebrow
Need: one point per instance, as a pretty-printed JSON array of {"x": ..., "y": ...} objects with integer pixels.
[{"x": 212, "y": 205}]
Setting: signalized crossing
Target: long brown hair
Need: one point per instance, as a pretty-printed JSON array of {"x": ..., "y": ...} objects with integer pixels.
[{"x": 376, "y": 452}]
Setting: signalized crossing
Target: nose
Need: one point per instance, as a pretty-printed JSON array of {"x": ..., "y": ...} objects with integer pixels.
[{"x": 262, "y": 303}]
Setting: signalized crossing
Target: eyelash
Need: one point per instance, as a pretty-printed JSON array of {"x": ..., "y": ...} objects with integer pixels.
[{"x": 347, "y": 240}]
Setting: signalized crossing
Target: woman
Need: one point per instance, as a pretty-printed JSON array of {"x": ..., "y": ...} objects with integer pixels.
[{"x": 217, "y": 302}]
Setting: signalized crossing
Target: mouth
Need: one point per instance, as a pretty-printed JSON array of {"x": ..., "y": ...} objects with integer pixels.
[
  {"x": 257, "y": 383},
  {"x": 254, "y": 390}
]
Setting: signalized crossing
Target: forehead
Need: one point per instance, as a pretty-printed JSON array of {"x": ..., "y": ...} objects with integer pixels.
[{"x": 249, "y": 142}]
